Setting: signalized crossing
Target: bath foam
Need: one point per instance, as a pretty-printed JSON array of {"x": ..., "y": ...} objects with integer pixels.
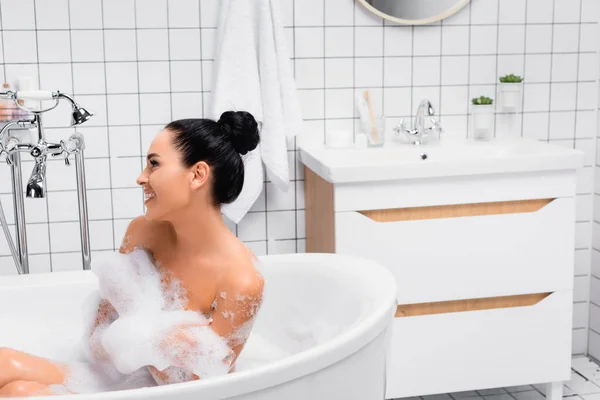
[{"x": 152, "y": 329}]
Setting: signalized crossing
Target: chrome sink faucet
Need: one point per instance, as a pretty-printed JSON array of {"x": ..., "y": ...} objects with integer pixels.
[{"x": 420, "y": 134}]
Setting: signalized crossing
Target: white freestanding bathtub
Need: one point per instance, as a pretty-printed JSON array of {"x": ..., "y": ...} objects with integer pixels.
[{"x": 321, "y": 333}]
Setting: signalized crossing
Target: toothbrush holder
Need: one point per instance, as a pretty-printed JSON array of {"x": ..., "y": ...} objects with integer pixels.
[{"x": 375, "y": 131}]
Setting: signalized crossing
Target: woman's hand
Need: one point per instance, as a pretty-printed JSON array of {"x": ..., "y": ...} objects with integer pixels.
[{"x": 181, "y": 344}]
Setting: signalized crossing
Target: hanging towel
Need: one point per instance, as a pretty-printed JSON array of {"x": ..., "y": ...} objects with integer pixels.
[{"x": 253, "y": 73}]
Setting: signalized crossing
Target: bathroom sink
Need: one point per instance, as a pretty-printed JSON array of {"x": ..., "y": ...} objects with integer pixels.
[{"x": 450, "y": 157}]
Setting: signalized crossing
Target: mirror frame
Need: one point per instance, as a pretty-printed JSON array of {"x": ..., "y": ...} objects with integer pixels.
[{"x": 445, "y": 14}]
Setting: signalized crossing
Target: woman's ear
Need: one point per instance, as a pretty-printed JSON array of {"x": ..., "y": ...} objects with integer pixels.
[{"x": 201, "y": 173}]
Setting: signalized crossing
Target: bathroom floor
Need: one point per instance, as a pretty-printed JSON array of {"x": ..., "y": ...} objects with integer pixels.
[{"x": 584, "y": 384}]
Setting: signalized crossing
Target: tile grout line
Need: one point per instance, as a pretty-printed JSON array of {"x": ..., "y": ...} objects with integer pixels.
[
  {"x": 112, "y": 208},
  {"x": 37, "y": 56},
  {"x": 139, "y": 96}
]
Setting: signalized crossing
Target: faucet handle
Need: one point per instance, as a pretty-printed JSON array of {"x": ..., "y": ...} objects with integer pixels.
[{"x": 402, "y": 129}]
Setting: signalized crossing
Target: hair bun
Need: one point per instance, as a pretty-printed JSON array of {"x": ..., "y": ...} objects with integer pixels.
[{"x": 242, "y": 130}]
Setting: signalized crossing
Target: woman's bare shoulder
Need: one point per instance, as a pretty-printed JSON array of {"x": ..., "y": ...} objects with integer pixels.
[{"x": 145, "y": 234}]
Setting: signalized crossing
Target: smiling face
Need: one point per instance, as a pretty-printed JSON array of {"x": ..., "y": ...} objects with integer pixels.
[{"x": 169, "y": 186}]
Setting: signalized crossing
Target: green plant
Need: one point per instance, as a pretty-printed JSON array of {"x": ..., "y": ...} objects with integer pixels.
[
  {"x": 482, "y": 100},
  {"x": 511, "y": 79}
]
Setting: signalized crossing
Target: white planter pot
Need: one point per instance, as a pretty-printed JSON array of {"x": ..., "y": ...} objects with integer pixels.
[
  {"x": 510, "y": 95},
  {"x": 482, "y": 121}
]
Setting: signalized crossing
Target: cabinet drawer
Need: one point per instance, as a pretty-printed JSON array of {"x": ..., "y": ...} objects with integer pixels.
[
  {"x": 473, "y": 350},
  {"x": 439, "y": 259}
]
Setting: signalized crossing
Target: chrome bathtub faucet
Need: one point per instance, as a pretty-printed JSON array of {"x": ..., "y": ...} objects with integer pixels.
[{"x": 11, "y": 148}]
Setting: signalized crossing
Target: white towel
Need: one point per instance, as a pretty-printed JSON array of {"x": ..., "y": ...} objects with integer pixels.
[{"x": 253, "y": 73}]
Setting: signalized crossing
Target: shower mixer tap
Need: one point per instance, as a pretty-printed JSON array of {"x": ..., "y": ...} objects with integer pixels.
[{"x": 11, "y": 148}]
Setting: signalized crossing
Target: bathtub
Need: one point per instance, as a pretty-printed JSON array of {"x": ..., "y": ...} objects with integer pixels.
[{"x": 322, "y": 332}]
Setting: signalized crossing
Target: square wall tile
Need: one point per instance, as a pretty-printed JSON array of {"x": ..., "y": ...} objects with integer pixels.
[
  {"x": 539, "y": 39},
  {"x": 484, "y": 39},
  {"x": 426, "y": 71},
  {"x": 339, "y": 12},
  {"x": 125, "y": 172},
  {"x": 339, "y": 72},
  {"x": 153, "y": 14},
  {"x": 310, "y": 42},
  {"x": 310, "y": 73},
  {"x": 65, "y": 237},
  {"x": 209, "y": 13},
  {"x": 155, "y": 109},
  {"x": 89, "y": 78},
  {"x": 127, "y": 203},
  {"x": 87, "y": 45},
  {"x": 63, "y": 206},
  {"x": 154, "y": 77},
  {"x": 20, "y": 46},
  {"x": 184, "y": 13},
  {"x": 122, "y": 77},
  {"x": 38, "y": 240},
  {"x": 56, "y": 77},
  {"x": 123, "y": 109},
  {"x": 398, "y": 41},
  {"x": 368, "y": 72},
  {"x": 455, "y": 40},
  {"x": 368, "y": 41},
  {"x": 539, "y": 11},
  {"x": 281, "y": 224},
  {"x": 126, "y": 48},
  {"x": 124, "y": 141},
  {"x": 587, "y": 96},
  {"x": 253, "y": 227},
  {"x": 511, "y": 39},
  {"x": 85, "y": 14},
  {"x": 100, "y": 204},
  {"x": 187, "y": 105},
  {"x": 119, "y": 14},
  {"x": 482, "y": 70},
  {"x": 186, "y": 76},
  {"x": 427, "y": 40},
  {"x": 564, "y": 67},
  {"x": 566, "y": 11},
  {"x": 484, "y": 12},
  {"x": 309, "y": 13},
  {"x": 339, "y": 103},
  {"x": 152, "y": 45},
  {"x": 18, "y": 14},
  {"x": 565, "y": 38},
  {"x": 563, "y": 96},
  {"x": 101, "y": 235},
  {"x": 338, "y": 42},
  {"x": 397, "y": 71},
  {"x": 184, "y": 44},
  {"x": 512, "y": 12},
  {"x": 455, "y": 70},
  {"x": 537, "y": 67},
  {"x": 97, "y": 173},
  {"x": 54, "y": 46}
]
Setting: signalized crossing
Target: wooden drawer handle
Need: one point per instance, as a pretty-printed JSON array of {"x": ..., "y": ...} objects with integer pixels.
[
  {"x": 487, "y": 303},
  {"x": 456, "y": 210}
]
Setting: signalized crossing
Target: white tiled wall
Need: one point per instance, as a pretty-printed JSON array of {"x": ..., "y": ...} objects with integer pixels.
[{"x": 140, "y": 64}]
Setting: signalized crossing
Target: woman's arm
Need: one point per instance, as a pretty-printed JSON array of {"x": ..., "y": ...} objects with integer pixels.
[
  {"x": 235, "y": 311},
  {"x": 106, "y": 313}
]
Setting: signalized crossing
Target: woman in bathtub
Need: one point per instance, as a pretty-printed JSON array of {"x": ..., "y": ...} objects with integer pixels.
[{"x": 192, "y": 167}]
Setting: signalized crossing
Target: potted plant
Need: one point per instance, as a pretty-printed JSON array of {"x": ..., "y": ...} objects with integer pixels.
[
  {"x": 482, "y": 115},
  {"x": 510, "y": 91}
]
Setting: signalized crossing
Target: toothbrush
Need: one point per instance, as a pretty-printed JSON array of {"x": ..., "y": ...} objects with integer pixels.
[
  {"x": 363, "y": 109},
  {"x": 374, "y": 133}
]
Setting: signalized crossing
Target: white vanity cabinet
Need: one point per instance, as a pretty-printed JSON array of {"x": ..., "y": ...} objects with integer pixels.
[{"x": 480, "y": 238}]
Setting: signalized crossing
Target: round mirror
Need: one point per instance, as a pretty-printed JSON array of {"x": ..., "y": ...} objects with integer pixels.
[{"x": 414, "y": 12}]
